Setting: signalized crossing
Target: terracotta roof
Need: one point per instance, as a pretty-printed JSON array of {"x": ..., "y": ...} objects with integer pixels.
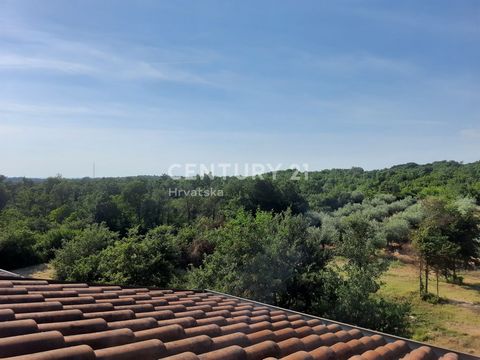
[{"x": 48, "y": 320}]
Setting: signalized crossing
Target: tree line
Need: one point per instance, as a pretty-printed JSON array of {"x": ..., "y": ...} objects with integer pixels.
[{"x": 318, "y": 245}]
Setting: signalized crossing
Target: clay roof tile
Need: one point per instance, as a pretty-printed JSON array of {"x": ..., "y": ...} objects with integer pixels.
[{"x": 48, "y": 320}]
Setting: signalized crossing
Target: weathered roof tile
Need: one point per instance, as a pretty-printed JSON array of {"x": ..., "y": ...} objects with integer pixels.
[{"x": 42, "y": 320}]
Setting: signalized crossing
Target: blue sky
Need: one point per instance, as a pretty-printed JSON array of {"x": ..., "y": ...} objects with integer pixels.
[{"x": 138, "y": 86}]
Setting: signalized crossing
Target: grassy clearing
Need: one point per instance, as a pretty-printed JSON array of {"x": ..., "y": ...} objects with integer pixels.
[{"x": 454, "y": 325}]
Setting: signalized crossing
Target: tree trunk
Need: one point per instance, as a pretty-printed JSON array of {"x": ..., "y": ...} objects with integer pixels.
[
  {"x": 426, "y": 278},
  {"x": 437, "y": 282},
  {"x": 420, "y": 281}
]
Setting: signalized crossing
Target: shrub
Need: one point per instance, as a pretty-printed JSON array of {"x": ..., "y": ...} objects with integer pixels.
[
  {"x": 263, "y": 256},
  {"x": 51, "y": 241},
  {"x": 17, "y": 248},
  {"x": 78, "y": 260},
  {"x": 141, "y": 260},
  {"x": 396, "y": 230}
]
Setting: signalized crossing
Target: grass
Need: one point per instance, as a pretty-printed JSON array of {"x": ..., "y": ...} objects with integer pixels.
[
  {"x": 41, "y": 271},
  {"x": 454, "y": 323}
]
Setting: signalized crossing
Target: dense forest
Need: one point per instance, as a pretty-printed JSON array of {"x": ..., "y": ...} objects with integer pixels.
[{"x": 316, "y": 243}]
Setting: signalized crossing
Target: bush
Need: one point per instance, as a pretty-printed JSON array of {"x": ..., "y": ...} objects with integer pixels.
[
  {"x": 431, "y": 298},
  {"x": 263, "y": 257},
  {"x": 3, "y": 195},
  {"x": 17, "y": 248},
  {"x": 78, "y": 260},
  {"x": 389, "y": 317},
  {"x": 47, "y": 244},
  {"x": 141, "y": 260},
  {"x": 396, "y": 230},
  {"x": 242, "y": 264},
  {"x": 353, "y": 300},
  {"x": 350, "y": 289},
  {"x": 455, "y": 279}
]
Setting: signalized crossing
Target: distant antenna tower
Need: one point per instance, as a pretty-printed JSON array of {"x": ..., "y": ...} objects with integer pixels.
[{"x": 94, "y": 169}]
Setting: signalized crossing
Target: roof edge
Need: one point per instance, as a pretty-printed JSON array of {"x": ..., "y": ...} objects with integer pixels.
[
  {"x": 8, "y": 274},
  {"x": 439, "y": 351}
]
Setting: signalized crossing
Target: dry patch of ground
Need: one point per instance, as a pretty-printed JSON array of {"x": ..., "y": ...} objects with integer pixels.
[{"x": 41, "y": 271}]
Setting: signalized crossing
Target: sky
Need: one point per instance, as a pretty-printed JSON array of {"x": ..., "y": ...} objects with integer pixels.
[{"x": 137, "y": 87}]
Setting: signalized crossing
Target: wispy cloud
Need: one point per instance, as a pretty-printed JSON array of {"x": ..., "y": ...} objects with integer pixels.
[
  {"x": 105, "y": 115},
  {"x": 99, "y": 115},
  {"x": 26, "y": 109},
  {"x": 352, "y": 63},
  {"x": 20, "y": 62},
  {"x": 162, "y": 72},
  {"x": 47, "y": 51}
]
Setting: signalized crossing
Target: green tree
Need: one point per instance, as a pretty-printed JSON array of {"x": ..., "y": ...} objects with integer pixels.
[
  {"x": 150, "y": 259},
  {"x": 434, "y": 251},
  {"x": 396, "y": 231},
  {"x": 107, "y": 210},
  {"x": 79, "y": 259},
  {"x": 133, "y": 195},
  {"x": 261, "y": 256},
  {"x": 3, "y": 194},
  {"x": 17, "y": 247},
  {"x": 446, "y": 238},
  {"x": 48, "y": 243},
  {"x": 353, "y": 284}
]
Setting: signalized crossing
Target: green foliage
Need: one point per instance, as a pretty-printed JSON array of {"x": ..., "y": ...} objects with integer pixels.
[
  {"x": 149, "y": 259},
  {"x": 413, "y": 215},
  {"x": 80, "y": 257},
  {"x": 396, "y": 230},
  {"x": 108, "y": 211},
  {"x": 279, "y": 259},
  {"x": 195, "y": 242},
  {"x": 16, "y": 247},
  {"x": 17, "y": 240},
  {"x": 3, "y": 195},
  {"x": 431, "y": 298},
  {"x": 352, "y": 300},
  {"x": 354, "y": 282},
  {"x": 259, "y": 256},
  {"x": 359, "y": 240},
  {"x": 268, "y": 238},
  {"x": 48, "y": 243},
  {"x": 242, "y": 263},
  {"x": 447, "y": 237}
]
